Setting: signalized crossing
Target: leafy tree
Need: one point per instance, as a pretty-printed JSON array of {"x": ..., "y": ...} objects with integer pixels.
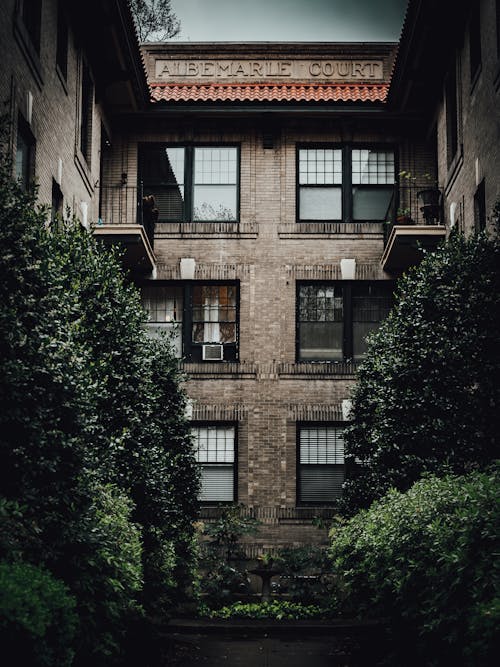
[
  {"x": 154, "y": 17},
  {"x": 427, "y": 397}
]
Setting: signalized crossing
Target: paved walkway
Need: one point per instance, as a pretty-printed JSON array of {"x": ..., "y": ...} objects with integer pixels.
[{"x": 277, "y": 647}]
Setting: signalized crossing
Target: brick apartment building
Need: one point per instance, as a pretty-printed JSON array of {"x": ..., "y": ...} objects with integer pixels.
[{"x": 257, "y": 191}]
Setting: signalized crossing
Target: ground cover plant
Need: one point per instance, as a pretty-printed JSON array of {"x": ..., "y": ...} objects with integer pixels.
[{"x": 279, "y": 610}]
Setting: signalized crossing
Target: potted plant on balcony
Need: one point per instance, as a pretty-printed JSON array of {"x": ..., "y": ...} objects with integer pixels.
[{"x": 403, "y": 217}]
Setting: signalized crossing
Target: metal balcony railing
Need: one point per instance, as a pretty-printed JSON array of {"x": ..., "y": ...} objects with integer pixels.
[
  {"x": 414, "y": 205},
  {"x": 125, "y": 205}
]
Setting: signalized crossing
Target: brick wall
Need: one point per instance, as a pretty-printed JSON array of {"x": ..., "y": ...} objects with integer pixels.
[
  {"x": 479, "y": 127},
  {"x": 268, "y": 393},
  {"x": 55, "y": 107}
]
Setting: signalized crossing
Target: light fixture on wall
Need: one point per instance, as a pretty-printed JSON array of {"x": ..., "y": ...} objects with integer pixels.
[
  {"x": 348, "y": 269},
  {"x": 187, "y": 268}
]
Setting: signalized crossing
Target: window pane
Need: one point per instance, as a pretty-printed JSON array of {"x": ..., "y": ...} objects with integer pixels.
[
  {"x": 371, "y": 167},
  {"x": 320, "y": 322},
  {"x": 214, "y": 314},
  {"x": 371, "y": 304},
  {"x": 320, "y": 166},
  {"x": 320, "y": 203},
  {"x": 163, "y": 304},
  {"x": 217, "y": 483},
  {"x": 321, "y": 341},
  {"x": 372, "y": 203},
  {"x": 163, "y": 165},
  {"x": 169, "y": 200},
  {"x": 22, "y": 161},
  {"x": 214, "y": 202},
  {"x": 321, "y": 444},
  {"x": 321, "y": 484},
  {"x": 216, "y": 166},
  {"x": 156, "y": 330},
  {"x": 164, "y": 308}
]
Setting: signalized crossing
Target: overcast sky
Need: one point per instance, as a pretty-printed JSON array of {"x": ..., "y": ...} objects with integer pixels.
[{"x": 289, "y": 20}]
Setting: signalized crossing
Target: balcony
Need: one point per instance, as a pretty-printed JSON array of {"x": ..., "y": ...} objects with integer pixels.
[
  {"x": 127, "y": 220},
  {"x": 416, "y": 227}
]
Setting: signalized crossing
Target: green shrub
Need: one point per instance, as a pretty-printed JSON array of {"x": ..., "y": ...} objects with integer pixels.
[
  {"x": 37, "y": 617},
  {"x": 427, "y": 398},
  {"x": 277, "y": 609},
  {"x": 305, "y": 574},
  {"x": 87, "y": 398},
  {"x": 428, "y": 560},
  {"x": 110, "y": 577}
]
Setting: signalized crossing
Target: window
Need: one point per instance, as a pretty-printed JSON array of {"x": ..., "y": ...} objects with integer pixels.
[
  {"x": 451, "y": 100},
  {"x": 320, "y": 463},
  {"x": 333, "y": 319},
  {"x": 25, "y": 155},
  {"x": 215, "y": 452},
  {"x": 202, "y": 318},
  {"x": 56, "y": 210},
  {"x": 192, "y": 183},
  {"x": 62, "y": 41},
  {"x": 86, "y": 110},
  {"x": 31, "y": 11},
  {"x": 345, "y": 184},
  {"x": 480, "y": 207},
  {"x": 475, "y": 42}
]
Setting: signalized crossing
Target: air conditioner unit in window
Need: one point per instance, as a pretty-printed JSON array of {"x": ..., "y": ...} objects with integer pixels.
[{"x": 213, "y": 353}]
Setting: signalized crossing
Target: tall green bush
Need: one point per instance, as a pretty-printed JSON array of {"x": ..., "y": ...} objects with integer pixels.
[
  {"x": 89, "y": 401},
  {"x": 427, "y": 560},
  {"x": 427, "y": 397}
]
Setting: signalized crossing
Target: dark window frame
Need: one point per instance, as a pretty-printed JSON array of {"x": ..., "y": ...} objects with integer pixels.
[
  {"x": 27, "y": 136},
  {"x": 298, "y": 477},
  {"x": 86, "y": 109},
  {"x": 347, "y": 320},
  {"x": 451, "y": 112},
  {"x": 189, "y": 148},
  {"x": 346, "y": 185},
  {"x": 191, "y": 351},
  {"x": 31, "y": 16},
  {"x": 57, "y": 205},
  {"x": 222, "y": 424},
  {"x": 475, "y": 46},
  {"x": 62, "y": 42},
  {"x": 480, "y": 207}
]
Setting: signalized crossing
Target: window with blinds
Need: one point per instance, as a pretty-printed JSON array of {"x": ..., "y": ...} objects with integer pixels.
[
  {"x": 215, "y": 449},
  {"x": 321, "y": 469}
]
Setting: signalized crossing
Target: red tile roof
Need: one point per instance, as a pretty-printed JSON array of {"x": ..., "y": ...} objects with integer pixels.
[{"x": 268, "y": 92}]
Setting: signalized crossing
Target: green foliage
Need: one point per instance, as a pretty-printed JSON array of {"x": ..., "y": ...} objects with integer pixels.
[
  {"x": 110, "y": 576},
  {"x": 227, "y": 530},
  {"x": 37, "y": 616},
  {"x": 305, "y": 574},
  {"x": 88, "y": 401},
  {"x": 427, "y": 397},
  {"x": 222, "y": 580},
  {"x": 428, "y": 560},
  {"x": 279, "y": 610}
]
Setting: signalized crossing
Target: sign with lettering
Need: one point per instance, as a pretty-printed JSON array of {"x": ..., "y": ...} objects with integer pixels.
[{"x": 272, "y": 70}]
